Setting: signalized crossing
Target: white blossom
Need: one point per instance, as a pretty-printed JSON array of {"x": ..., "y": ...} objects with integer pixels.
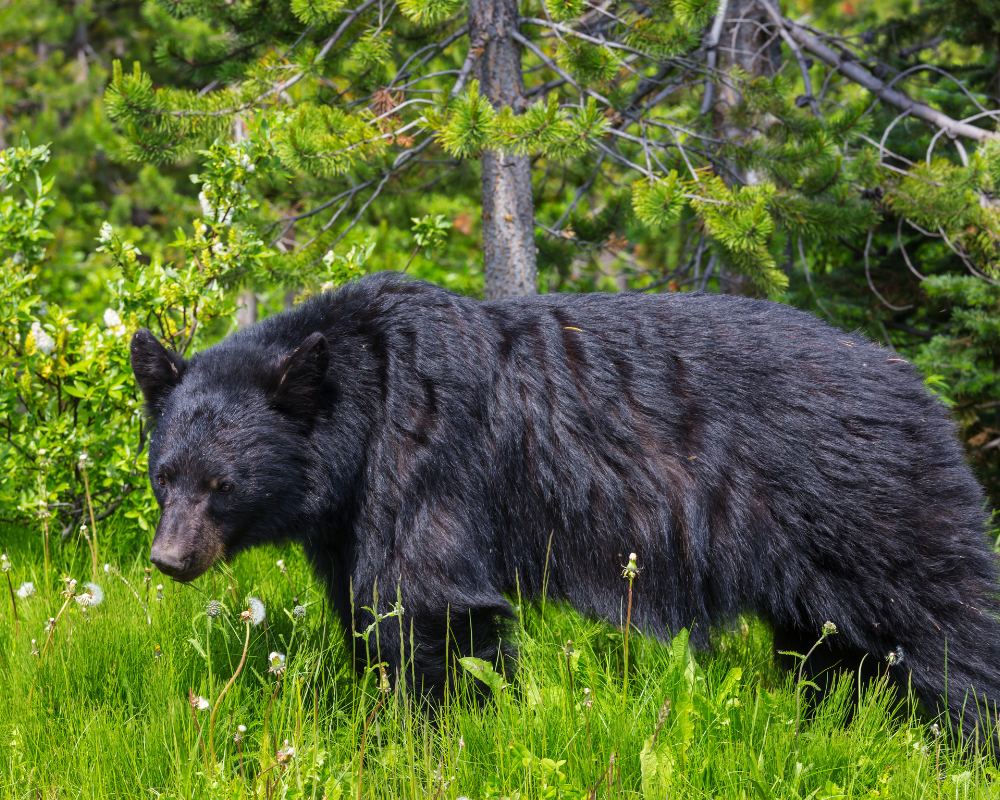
[
  {"x": 114, "y": 322},
  {"x": 45, "y": 343}
]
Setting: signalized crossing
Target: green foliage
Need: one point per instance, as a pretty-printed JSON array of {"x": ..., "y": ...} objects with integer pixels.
[
  {"x": 964, "y": 355},
  {"x": 429, "y": 12},
  {"x": 314, "y": 12},
  {"x": 658, "y": 203},
  {"x": 465, "y": 130},
  {"x": 325, "y": 141},
  {"x": 564, "y": 10},
  {"x": 66, "y": 387},
  {"x": 588, "y": 63}
]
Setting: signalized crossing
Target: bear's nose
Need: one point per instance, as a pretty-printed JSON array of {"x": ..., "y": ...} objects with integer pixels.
[{"x": 169, "y": 559}]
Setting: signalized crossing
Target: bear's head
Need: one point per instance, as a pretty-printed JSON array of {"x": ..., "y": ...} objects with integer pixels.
[{"x": 229, "y": 452}]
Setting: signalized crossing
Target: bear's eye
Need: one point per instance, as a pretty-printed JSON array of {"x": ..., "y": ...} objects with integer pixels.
[
  {"x": 225, "y": 487},
  {"x": 161, "y": 480}
]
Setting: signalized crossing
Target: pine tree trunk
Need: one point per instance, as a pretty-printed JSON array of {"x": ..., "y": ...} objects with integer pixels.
[
  {"x": 508, "y": 207},
  {"x": 745, "y": 41}
]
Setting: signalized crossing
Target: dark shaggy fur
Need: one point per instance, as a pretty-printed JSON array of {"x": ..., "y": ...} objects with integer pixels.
[{"x": 756, "y": 460}]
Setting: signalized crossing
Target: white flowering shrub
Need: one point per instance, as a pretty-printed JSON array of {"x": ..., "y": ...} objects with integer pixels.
[{"x": 66, "y": 386}]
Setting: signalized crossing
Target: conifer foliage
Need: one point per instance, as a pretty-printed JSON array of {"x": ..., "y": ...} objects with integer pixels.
[{"x": 353, "y": 100}]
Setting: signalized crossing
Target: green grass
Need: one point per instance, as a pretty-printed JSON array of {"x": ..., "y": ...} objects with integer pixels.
[{"x": 103, "y": 711}]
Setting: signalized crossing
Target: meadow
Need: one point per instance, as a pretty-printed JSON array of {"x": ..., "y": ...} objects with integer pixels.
[{"x": 240, "y": 685}]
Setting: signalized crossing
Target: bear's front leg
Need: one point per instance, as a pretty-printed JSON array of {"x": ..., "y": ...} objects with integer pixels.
[{"x": 422, "y": 636}]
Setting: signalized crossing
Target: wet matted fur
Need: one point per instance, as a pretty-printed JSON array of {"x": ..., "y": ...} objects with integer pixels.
[{"x": 756, "y": 459}]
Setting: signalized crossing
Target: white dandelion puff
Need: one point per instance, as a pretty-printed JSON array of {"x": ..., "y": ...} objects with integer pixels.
[
  {"x": 25, "y": 590},
  {"x": 299, "y": 611},
  {"x": 213, "y": 608},
  {"x": 255, "y": 613},
  {"x": 96, "y": 593},
  {"x": 286, "y": 753},
  {"x": 199, "y": 703}
]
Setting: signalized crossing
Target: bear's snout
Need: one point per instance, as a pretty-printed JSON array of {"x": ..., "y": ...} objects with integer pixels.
[
  {"x": 185, "y": 546},
  {"x": 171, "y": 560}
]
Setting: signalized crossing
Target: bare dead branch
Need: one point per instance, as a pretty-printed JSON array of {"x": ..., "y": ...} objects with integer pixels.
[{"x": 856, "y": 72}]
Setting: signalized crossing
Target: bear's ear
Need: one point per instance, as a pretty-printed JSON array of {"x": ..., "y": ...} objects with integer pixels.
[
  {"x": 156, "y": 369},
  {"x": 301, "y": 376}
]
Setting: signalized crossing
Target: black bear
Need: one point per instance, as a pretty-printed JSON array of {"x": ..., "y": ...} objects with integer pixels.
[{"x": 446, "y": 449}]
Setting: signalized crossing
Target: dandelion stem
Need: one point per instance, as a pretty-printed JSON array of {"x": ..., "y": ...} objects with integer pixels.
[
  {"x": 13, "y": 605},
  {"x": 364, "y": 738},
  {"x": 45, "y": 545},
  {"x": 117, "y": 573},
  {"x": 92, "y": 540},
  {"x": 55, "y": 622},
  {"x": 197, "y": 725},
  {"x": 629, "y": 573},
  {"x": 224, "y": 692},
  {"x": 829, "y": 629}
]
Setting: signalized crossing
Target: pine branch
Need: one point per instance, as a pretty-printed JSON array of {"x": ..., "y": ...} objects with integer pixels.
[{"x": 856, "y": 72}]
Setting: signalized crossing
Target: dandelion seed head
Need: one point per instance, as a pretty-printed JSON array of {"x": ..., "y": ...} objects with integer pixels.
[
  {"x": 895, "y": 657},
  {"x": 4, "y": 563},
  {"x": 26, "y": 590},
  {"x": 96, "y": 593},
  {"x": 213, "y": 608},
  {"x": 299, "y": 611},
  {"x": 199, "y": 703},
  {"x": 286, "y": 753},
  {"x": 255, "y": 613}
]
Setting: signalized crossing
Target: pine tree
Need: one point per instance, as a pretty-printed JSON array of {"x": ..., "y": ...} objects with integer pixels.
[{"x": 717, "y": 101}]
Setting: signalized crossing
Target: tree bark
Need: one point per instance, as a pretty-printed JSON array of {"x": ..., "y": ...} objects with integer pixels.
[
  {"x": 508, "y": 208},
  {"x": 746, "y": 42},
  {"x": 743, "y": 41}
]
